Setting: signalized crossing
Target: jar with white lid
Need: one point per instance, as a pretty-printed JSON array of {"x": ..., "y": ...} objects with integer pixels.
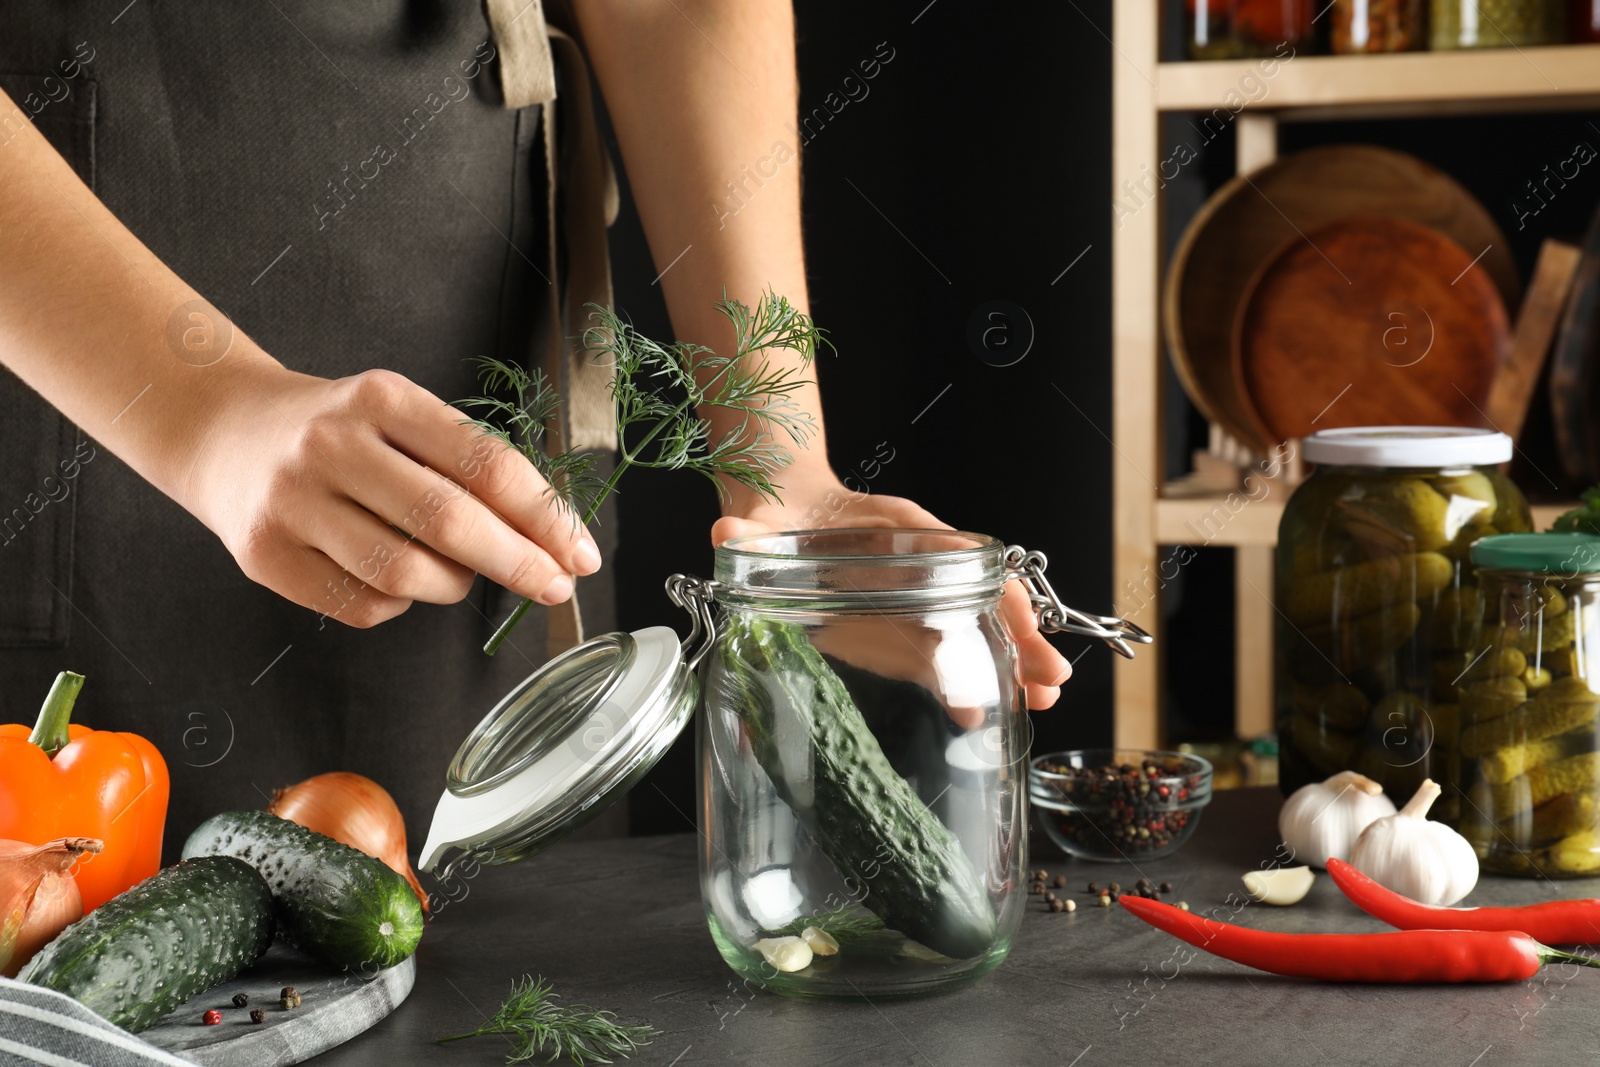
[{"x": 1376, "y": 599}]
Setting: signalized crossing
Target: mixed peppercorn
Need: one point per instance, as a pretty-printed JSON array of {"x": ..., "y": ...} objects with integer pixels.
[
  {"x": 1104, "y": 895},
  {"x": 288, "y": 997},
  {"x": 1123, "y": 808}
]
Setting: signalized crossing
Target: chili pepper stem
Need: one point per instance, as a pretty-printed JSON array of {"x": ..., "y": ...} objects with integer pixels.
[
  {"x": 1555, "y": 955},
  {"x": 50, "y": 732}
]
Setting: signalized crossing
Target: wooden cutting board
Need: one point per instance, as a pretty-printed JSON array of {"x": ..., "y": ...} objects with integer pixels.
[
  {"x": 335, "y": 1006},
  {"x": 1369, "y": 321},
  {"x": 1251, "y": 217}
]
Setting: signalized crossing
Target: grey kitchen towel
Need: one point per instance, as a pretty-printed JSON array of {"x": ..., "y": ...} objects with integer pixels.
[{"x": 43, "y": 1026}]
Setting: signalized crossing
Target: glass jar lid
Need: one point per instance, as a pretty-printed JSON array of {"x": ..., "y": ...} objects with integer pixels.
[
  {"x": 561, "y": 747},
  {"x": 1545, "y": 553},
  {"x": 1408, "y": 446}
]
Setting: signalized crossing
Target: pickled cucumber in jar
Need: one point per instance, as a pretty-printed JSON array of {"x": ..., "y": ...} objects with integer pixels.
[{"x": 1529, "y": 749}]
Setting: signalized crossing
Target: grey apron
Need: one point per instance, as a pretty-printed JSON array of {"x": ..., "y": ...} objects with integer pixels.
[{"x": 344, "y": 183}]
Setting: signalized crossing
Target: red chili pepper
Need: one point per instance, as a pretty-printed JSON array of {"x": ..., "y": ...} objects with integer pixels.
[
  {"x": 1407, "y": 956},
  {"x": 1555, "y": 922}
]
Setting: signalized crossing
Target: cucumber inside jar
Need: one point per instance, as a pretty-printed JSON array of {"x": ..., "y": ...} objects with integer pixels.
[{"x": 910, "y": 868}]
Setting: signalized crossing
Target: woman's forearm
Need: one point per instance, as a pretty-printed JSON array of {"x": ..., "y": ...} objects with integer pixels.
[
  {"x": 99, "y": 326},
  {"x": 702, "y": 94}
]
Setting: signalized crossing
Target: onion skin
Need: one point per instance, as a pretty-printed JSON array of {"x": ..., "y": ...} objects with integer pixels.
[
  {"x": 353, "y": 810},
  {"x": 38, "y": 896}
]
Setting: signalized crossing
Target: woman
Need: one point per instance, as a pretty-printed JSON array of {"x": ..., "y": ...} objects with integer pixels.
[{"x": 364, "y": 195}]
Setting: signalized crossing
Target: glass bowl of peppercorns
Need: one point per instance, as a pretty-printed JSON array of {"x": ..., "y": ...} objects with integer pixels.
[{"x": 1118, "y": 804}]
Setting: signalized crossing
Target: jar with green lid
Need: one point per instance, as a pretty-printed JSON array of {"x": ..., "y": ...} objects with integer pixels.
[
  {"x": 1529, "y": 752},
  {"x": 1376, "y": 599},
  {"x": 1496, "y": 23}
]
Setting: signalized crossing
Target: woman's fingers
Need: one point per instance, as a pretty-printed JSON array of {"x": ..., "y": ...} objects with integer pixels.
[
  {"x": 1041, "y": 663},
  {"x": 1041, "y": 697},
  {"x": 311, "y": 579},
  {"x": 433, "y": 434},
  {"x": 437, "y": 511},
  {"x": 371, "y": 551}
]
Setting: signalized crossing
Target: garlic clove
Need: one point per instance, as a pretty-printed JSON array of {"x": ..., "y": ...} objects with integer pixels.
[
  {"x": 789, "y": 953},
  {"x": 1280, "y": 886},
  {"x": 822, "y": 943}
]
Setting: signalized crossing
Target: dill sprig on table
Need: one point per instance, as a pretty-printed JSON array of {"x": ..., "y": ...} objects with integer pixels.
[
  {"x": 660, "y": 393},
  {"x": 538, "y": 1026}
]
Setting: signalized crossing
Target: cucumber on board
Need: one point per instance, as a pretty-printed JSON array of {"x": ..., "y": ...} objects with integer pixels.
[
  {"x": 332, "y": 901},
  {"x": 146, "y": 951},
  {"x": 864, "y": 817}
]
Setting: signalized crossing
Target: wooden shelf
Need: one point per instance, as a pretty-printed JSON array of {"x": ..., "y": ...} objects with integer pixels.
[
  {"x": 1412, "y": 83},
  {"x": 1252, "y": 523},
  {"x": 1302, "y": 88}
]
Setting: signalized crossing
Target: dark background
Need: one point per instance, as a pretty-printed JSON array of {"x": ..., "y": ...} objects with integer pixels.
[{"x": 986, "y": 143}]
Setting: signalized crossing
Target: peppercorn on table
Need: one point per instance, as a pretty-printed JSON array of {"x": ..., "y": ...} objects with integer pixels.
[{"x": 619, "y": 925}]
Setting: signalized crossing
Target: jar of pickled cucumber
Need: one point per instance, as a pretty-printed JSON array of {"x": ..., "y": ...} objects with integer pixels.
[
  {"x": 1495, "y": 23},
  {"x": 1377, "y": 601},
  {"x": 1529, "y": 752}
]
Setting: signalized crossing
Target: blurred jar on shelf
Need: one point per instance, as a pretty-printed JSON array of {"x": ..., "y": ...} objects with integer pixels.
[
  {"x": 1378, "y": 26},
  {"x": 1496, "y": 23},
  {"x": 1231, "y": 29},
  {"x": 1377, "y": 601}
]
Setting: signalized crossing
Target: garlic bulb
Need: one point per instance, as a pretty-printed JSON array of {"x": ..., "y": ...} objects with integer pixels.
[
  {"x": 1426, "y": 861},
  {"x": 1322, "y": 820}
]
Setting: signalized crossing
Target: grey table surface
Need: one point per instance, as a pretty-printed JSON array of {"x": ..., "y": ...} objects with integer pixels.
[{"x": 618, "y": 924}]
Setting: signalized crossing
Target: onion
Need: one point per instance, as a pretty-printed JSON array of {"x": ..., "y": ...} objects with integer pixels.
[
  {"x": 354, "y": 811},
  {"x": 38, "y": 897}
]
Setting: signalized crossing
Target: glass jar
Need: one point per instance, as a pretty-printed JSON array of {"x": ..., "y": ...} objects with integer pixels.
[
  {"x": 1530, "y": 744},
  {"x": 1583, "y": 21},
  {"x": 1376, "y": 601},
  {"x": 1378, "y": 26},
  {"x": 1230, "y": 29},
  {"x": 863, "y": 748},
  {"x": 1495, "y": 23},
  {"x": 863, "y": 760}
]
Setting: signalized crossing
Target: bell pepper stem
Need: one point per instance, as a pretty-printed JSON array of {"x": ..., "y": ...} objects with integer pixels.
[
  {"x": 50, "y": 732},
  {"x": 1555, "y": 955}
]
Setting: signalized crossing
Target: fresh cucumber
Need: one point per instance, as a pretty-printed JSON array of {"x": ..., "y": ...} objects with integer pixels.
[
  {"x": 147, "y": 950},
  {"x": 864, "y": 817},
  {"x": 334, "y": 902}
]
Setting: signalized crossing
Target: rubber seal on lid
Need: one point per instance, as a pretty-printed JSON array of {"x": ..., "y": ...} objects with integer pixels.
[
  {"x": 1547, "y": 553},
  {"x": 1408, "y": 446}
]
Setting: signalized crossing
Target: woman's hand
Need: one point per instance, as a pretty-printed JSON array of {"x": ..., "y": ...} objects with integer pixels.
[
  {"x": 817, "y": 498},
  {"x": 358, "y": 496}
]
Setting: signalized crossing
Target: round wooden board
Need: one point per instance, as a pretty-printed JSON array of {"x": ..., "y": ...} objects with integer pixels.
[
  {"x": 1369, "y": 321},
  {"x": 1248, "y": 221}
]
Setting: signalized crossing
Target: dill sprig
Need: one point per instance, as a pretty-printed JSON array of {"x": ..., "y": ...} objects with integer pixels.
[
  {"x": 661, "y": 393},
  {"x": 846, "y": 924},
  {"x": 538, "y": 1027}
]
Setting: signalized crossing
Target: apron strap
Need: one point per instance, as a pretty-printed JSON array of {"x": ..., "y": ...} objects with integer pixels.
[{"x": 581, "y": 203}]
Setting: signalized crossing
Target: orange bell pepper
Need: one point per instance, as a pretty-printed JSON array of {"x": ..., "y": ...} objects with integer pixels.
[{"x": 66, "y": 780}]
